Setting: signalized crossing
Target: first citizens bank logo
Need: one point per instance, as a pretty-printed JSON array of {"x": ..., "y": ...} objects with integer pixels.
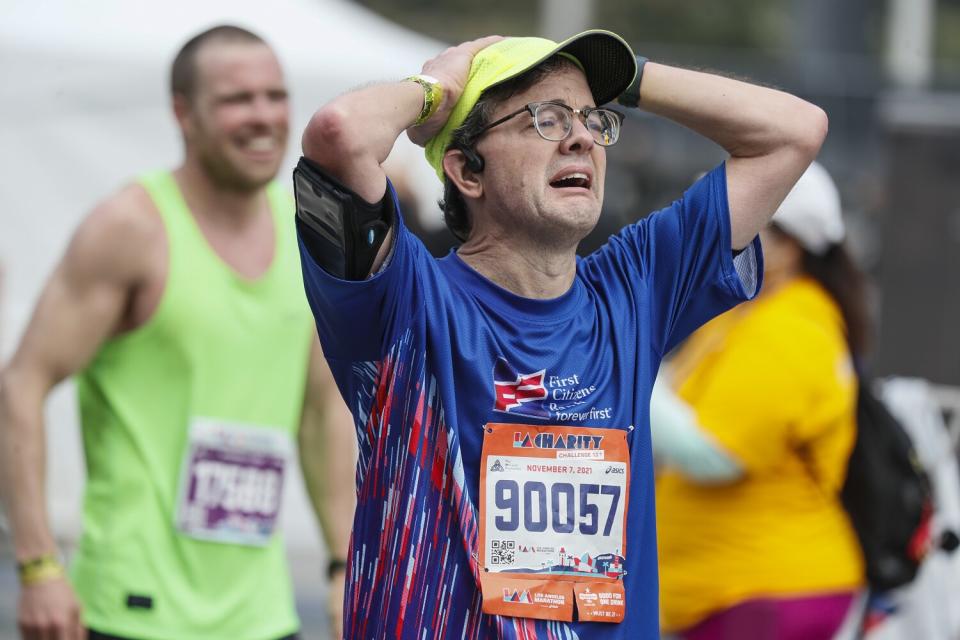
[{"x": 537, "y": 395}]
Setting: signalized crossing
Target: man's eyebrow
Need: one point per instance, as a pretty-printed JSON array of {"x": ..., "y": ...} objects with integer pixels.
[
  {"x": 234, "y": 94},
  {"x": 565, "y": 103}
]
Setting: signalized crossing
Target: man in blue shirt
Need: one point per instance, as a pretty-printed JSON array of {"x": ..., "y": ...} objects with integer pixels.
[{"x": 501, "y": 394}]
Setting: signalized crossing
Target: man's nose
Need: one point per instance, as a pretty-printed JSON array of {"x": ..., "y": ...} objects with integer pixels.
[
  {"x": 580, "y": 139},
  {"x": 265, "y": 109}
]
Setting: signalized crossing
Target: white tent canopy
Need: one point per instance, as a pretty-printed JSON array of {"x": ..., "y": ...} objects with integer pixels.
[{"x": 86, "y": 107}]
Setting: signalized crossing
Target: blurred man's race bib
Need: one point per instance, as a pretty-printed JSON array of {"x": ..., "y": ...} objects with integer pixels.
[
  {"x": 231, "y": 482},
  {"x": 553, "y": 510}
]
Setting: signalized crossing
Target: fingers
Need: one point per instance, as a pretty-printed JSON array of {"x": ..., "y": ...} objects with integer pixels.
[
  {"x": 44, "y": 629},
  {"x": 460, "y": 55},
  {"x": 41, "y": 626},
  {"x": 53, "y": 629},
  {"x": 451, "y": 68},
  {"x": 470, "y": 46},
  {"x": 76, "y": 630},
  {"x": 49, "y": 611},
  {"x": 475, "y": 46}
]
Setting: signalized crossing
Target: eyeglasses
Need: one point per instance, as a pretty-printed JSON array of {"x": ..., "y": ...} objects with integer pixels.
[{"x": 554, "y": 121}]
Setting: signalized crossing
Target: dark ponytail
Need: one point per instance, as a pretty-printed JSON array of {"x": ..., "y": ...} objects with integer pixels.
[{"x": 847, "y": 285}]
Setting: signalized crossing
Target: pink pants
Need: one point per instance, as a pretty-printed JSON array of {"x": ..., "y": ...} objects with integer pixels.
[{"x": 808, "y": 618}]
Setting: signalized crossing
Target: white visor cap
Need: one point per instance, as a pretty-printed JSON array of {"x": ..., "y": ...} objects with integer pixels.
[{"x": 811, "y": 213}]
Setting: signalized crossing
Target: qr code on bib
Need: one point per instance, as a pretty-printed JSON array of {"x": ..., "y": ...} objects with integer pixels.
[{"x": 502, "y": 551}]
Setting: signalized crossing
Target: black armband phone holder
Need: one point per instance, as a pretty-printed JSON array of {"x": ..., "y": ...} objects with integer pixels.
[{"x": 342, "y": 232}]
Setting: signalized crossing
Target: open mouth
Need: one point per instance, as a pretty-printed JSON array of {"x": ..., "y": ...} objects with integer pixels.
[{"x": 576, "y": 179}]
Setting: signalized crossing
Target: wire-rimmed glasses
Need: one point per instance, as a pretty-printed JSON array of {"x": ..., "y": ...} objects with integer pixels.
[{"x": 554, "y": 121}]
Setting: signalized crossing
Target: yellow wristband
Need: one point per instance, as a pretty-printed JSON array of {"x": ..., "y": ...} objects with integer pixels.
[
  {"x": 432, "y": 96},
  {"x": 41, "y": 569}
]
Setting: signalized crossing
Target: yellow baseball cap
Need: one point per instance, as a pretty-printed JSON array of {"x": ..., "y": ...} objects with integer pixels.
[{"x": 605, "y": 58}]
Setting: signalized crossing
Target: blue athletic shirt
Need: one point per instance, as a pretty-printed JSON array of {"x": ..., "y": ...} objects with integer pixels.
[{"x": 415, "y": 350}]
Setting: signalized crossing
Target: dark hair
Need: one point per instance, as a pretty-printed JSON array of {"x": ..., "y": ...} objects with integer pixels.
[
  {"x": 183, "y": 73},
  {"x": 454, "y": 207},
  {"x": 836, "y": 272}
]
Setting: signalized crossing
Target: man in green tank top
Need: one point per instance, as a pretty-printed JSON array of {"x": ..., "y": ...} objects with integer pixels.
[{"x": 179, "y": 304}]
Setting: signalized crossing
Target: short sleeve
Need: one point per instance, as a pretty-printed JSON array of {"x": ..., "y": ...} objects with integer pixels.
[
  {"x": 684, "y": 255},
  {"x": 359, "y": 320}
]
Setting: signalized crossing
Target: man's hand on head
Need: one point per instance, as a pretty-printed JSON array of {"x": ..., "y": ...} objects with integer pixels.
[{"x": 451, "y": 68}]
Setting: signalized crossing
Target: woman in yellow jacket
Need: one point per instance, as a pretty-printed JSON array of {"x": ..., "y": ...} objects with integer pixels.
[{"x": 753, "y": 446}]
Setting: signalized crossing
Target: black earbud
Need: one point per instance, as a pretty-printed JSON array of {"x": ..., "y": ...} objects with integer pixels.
[{"x": 474, "y": 159}]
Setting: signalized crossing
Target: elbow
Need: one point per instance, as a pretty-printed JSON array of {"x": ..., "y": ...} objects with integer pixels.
[
  {"x": 8, "y": 380},
  {"x": 8, "y": 392},
  {"x": 812, "y": 132},
  {"x": 22, "y": 392},
  {"x": 328, "y": 136}
]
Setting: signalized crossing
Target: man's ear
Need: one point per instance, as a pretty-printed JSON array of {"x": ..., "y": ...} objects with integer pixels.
[
  {"x": 183, "y": 112},
  {"x": 462, "y": 174}
]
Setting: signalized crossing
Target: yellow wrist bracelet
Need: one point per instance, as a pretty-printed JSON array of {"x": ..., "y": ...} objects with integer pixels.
[
  {"x": 432, "y": 96},
  {"x": 40, "y": 569}
]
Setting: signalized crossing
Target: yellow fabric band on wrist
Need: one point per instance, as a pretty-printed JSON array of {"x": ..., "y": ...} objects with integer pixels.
[
  {"x": 432, "y": 96},
  {"x": 37, "y": 570}
]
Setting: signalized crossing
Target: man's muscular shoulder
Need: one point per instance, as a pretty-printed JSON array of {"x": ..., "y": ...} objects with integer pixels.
[
  {"x": 122, "y": 243},
  {"x": 118, "y": 237}
]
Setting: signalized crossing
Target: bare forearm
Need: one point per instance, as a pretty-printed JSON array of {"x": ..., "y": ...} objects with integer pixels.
[
  {"x": 771, "y": 136},
  {"x": 328, "y": 460},
  {"x": 745, "y": 119},
  {"x": 47, "y": 606},
  {"x": 23, "y": 466},
  {"x": 353, "y": 134},
  {"x": 334, "y": 505}
]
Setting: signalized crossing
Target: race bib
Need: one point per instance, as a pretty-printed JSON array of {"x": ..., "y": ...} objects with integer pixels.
[
  {"x": 231, "y": 482},
  {"x": 553, "y": 512}
]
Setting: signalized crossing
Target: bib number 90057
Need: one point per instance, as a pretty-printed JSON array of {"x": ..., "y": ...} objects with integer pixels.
[
  {"x": 561, "y": 506},
  {"x": 553, "y": 514}
]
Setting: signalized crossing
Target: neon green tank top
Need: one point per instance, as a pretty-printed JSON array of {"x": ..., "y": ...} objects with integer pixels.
[{"x": 177, "y": 541}]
